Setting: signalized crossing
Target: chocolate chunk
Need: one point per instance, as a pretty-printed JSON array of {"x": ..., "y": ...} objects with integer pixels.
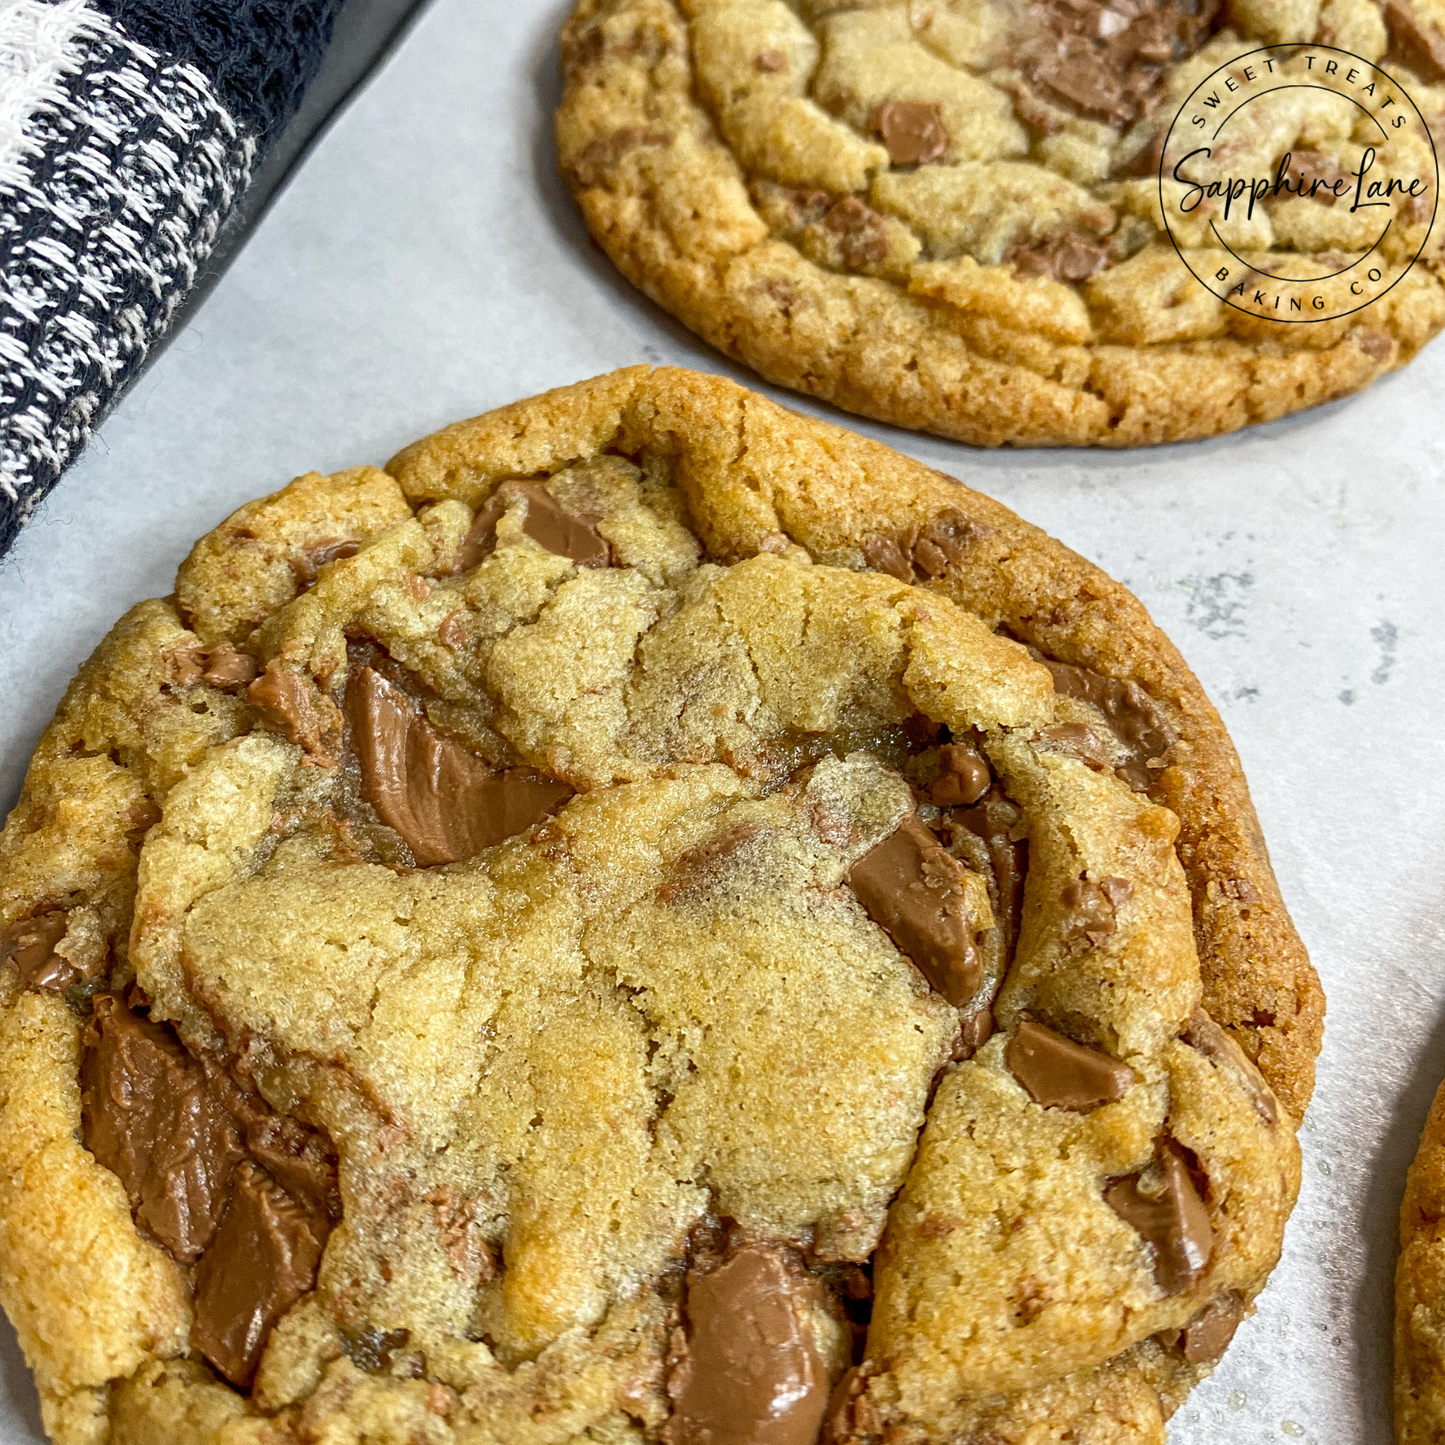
[
  {"x": 963, "y": 777},
  {"x": 860, "y": 229},
  {"x": 1133, "y": 715},
  {"x": 914, "y": 890},
  {"x": 1110, "y": 61},
  {"x": 993, "y": 821},
  {"x": 558, "y": 531},
  {"x": 751, "y": 1373},
  {"x": 1415, "y": 42},
  {"x": 973, "y": 1033},
  {"x": 1060, "y": 1074},
  {"x": 912, "y": 130},
  {"x": 1077, "y": 741},
  {"x": 264, "y": 1258},
  {"x": 1063, "y": 256},
  {"x": 443, "y": 799},
  {"x": 883, "y": 554},
  {"x": 373, "y": 1349},
  {"x": 151, "y": 1117},
  {"x": 292, "y": 705},
  {"x": 545, "y": 522},
  {"x": 307, "y": 567},
  {"x": 1143, "y": 163},
  {"x": 769, "y": 62},
  {"x": 1095, "y": 906},
  {"x": 224, "y": 666},
  {"x": 31, "y": 944},
  {"x": 1205, "y": 1338},
  {"x": 931, "y": 549},
  {"x": 1169, "y": 1215},
  {"x": 1204, "y": 1034}
]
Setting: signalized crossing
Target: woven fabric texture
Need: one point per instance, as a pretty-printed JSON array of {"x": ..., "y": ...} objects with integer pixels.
[{"x": 128, "y": 132}]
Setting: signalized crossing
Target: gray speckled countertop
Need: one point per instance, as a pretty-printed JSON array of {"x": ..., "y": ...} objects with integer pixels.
[{"x": 426, "y": 265}]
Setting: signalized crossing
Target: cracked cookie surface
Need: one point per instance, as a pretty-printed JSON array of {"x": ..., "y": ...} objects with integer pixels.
[
  {"x": 947, "y": 214},
  {"x": 652, "y": 918}
]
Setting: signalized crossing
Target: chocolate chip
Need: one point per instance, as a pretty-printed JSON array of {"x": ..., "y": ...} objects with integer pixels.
[
  {"x": 1063, "y": 256},
  {"x": 1415, "y": 42},
  {"x": 151, "y": 1117},
  {"x": 264, "y": 1258},
  {"x": 1205, "y": 1338},
  {"x": 1132, "y": 714},
  {"x": 912, "y": 130},
  {"x": 31, "y": 945},
  {"x": 749, "y": 1370},
  {"x": 770, "y": 61},
  {"x": 443, "y": 799},
  {"x": 1204, "y": 1034},
  {"x": 1060, "y": 1074},
  {"x": 1163, "y": 1206},
  {"x": 1313, "y": 176},
  {"x": 973, "y": 1033},
  {"x": 963, "y": 777},
  {"x": 914, "y": 890}
]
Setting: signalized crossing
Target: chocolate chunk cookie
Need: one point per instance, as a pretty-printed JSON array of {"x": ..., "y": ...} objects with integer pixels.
[
  {"x": 948, "y": 214},
  {"x": 649, "y": 919}
]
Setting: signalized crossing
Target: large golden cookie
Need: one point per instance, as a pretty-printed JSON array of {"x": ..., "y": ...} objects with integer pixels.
[
  {"x": 651, "y": 917},
  {"x": 947, "y": 214},
  {"x": 1420, "y": 1292}
]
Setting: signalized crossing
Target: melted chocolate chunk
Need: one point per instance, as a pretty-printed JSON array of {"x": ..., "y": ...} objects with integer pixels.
[
  {"x": 1415, "y": 42},
  {"x": 913, "y": 888},
  {"x": 152, "y": 1118},
  {"x": 963, "y": 777},
  {"x": 291, "y": 704},
  {"x": 307, "y": 567},
  {"x": 750, "y": 1373},
  {"x": 1060, "y": 1074},
  {"x": 912, "y": 130},
  {"x": 1205, "y": 1035},
  {"x": 1164, "y": 1207},
  {"x": 1314, "y": 176},
  {"x": 1132, "y": 714},
  {"x": 264, "y": 1258},
  {"x": 443, "y": 799},
  {"x": 1109, "y": 60},
  {"x": 1205, "y": 1338},
  {"x": 545, "y": 522},
  {"x": 1063, "y": 256},
  {"x": 974, "y": 1032},
  {"x": 31, "y": 944},
  {"x": 993, "y": 821}
]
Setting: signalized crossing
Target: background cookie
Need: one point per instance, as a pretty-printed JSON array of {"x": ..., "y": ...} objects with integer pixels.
[
  {"x": 1420, "y": 1292},
  {"x": 243, "y": 807},
  {"x": 947, "y": 215}
]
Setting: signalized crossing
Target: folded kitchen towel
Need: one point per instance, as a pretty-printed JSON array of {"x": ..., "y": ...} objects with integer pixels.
[{"x": 129, "y": 130}]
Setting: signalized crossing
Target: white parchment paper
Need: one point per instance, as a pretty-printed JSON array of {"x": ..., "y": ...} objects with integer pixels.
[{"x": 427, "y": 265}]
